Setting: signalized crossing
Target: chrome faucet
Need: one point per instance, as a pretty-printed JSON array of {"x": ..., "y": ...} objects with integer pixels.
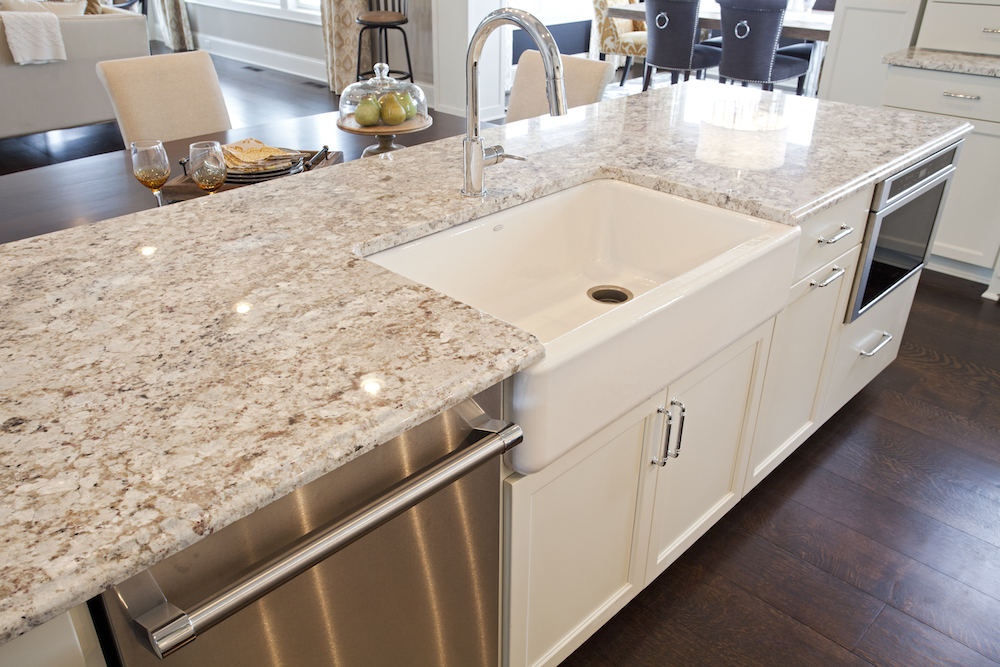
[{"x": 477, "y": 154}]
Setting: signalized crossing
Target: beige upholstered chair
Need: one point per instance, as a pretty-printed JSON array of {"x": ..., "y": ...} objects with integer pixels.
[
  {"x": 165, "y": 97},
  {"x": 619, "y": 37},
  {"x": 585, "y": 83}
]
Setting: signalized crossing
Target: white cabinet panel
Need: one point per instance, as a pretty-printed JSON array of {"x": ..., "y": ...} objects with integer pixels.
[
  {"x": 574, "y": 552},
  {"x": 969, "y": 229},
  {"x": 705, "y": 480},
  {"x": 802, "y": 350},
  {"x": 861, "y": 354},
  {"x": 863, "y": 31},
  {"x": 968, "y": 28}
]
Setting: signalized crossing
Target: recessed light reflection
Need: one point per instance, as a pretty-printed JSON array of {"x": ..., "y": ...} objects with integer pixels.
[
  {"x": 372, "y": 386},
  {"x": 243, "y": 307},
  {"x": 148, "y": 250}
]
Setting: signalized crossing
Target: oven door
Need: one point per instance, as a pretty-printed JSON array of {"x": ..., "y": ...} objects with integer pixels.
[{"x": 898, "y": 241}]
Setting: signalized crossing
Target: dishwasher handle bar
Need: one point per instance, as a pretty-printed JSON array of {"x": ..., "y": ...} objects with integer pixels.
[{"x": 170, "y": 628}]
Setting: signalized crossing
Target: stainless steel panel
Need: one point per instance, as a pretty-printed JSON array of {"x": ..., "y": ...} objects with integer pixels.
[{"x": 421, "y": 590}]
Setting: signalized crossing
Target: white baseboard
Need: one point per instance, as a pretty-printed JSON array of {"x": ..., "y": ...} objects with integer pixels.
[
  {"x": 958, "y": 269},
  {"x": 289, "y": 63}
]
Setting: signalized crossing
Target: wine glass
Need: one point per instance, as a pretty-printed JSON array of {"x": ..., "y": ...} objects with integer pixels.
[
  {"x": 206, "y": 165},
  {"x": 151, "y": 165}
]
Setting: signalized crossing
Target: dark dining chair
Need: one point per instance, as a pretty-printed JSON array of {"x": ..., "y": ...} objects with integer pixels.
[
  {"x": 383, "y": 16},
  {"x": 672, "y": 41},
  {"x": 750, "y": 31}
]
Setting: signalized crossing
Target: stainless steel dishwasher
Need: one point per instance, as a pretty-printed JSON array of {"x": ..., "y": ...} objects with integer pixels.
[{"x": 327, "y": 576}]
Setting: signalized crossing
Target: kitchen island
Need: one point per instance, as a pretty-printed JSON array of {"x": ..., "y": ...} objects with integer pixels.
[{"x": 167, "y": 373}]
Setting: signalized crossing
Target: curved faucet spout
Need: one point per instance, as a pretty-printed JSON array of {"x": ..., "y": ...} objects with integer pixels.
[{"x": 477, "y": 156}]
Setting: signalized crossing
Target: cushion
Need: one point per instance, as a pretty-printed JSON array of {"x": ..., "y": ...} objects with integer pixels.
[
  {"x": 75, "y": 8},
  {"x": 21, "y": 6},
  {"x": 93, "y": 7}
]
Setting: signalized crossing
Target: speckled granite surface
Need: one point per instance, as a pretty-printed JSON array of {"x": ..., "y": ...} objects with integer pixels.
[
  {"x": 140, "y": 409},
  {"x": 945, "y": 61}
]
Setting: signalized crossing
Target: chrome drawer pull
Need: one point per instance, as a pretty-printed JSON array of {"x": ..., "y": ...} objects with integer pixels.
[
  {"x": 992, "y": 31},
  {"x": 844, "y": 231},
  {"x": 662, "y": 460},
  {"x": 961, "y": 96},
  {"x": 886, "y": 337},
  {"x": 837, "y": 272},
  {"x": 680, "y": 426}
]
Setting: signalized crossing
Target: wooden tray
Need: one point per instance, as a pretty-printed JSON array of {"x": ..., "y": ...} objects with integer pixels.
[
  {"x": 183, "y": 187},
  {"x": 415, "y": 124}
]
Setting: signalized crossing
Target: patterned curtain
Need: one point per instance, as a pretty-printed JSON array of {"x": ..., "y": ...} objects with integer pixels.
[
  {"x": 175, "y": 24},
  {"x": 340, "y": 33}
]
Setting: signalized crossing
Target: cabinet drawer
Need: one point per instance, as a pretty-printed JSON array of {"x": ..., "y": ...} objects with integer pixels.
[
  {"x": 961, "y": 27},
  {"x": 853, "y": 368},
  {"x": 814, "y": 250},
  {"x": 935, "y": 92}
]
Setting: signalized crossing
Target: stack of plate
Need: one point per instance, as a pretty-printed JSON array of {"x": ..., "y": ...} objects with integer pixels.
[{"x": 251, "y": 161}]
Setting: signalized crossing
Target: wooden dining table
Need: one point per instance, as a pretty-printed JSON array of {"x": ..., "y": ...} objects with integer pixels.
[
  {"x": 813, "y": 25},
  {"x": 99, "y": 187}
]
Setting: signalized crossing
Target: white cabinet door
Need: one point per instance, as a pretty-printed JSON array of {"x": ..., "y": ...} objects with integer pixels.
[
  {"x": 801, "y": 354},
  {"x": 863, "y": 31},
  {"x": 574, "y": 553},
  {"x": 713, "y": 410}
]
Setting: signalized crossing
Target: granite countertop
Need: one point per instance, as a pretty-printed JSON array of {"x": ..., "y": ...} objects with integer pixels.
[
  {"x": 166, "y": 373},
  {"x": 945, "y": 61}
]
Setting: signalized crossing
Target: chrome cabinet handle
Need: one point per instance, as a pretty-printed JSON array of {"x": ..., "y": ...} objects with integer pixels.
[
  {"x": 169, "y": 628},
  {"x": 992, "y": 31},
  {"x": 886, "y": 337},
  {"x": 961, "y": 96},
  {"x": 662, "y": 460},
  {"x": 837, "y": 272},
  {"x": 844, "y": 231},
  {"x": 680, "y": 427}
]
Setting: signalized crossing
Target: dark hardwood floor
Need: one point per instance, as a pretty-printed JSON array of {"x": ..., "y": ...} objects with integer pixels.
[
  {"x": 877, "y": 542},
  {"x": 253, "y": 95}
]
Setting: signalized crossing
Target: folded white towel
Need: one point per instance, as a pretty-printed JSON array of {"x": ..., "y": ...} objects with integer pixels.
[{"x": 33, "y": 37}]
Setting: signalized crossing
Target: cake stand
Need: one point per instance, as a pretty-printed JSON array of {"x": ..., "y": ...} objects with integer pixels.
[{"x": 384, "y": 133}]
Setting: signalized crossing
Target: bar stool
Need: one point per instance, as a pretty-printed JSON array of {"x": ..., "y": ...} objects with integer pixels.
[
  {"x": 671, "y": 43},
  {"x": 382, "y": 16}
]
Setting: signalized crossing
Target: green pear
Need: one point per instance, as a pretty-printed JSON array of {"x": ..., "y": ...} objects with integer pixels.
[
  {"x": 393, "y": 112},
  {"x": 409, "y": 104},
  {"x": 367, "y": 113}
]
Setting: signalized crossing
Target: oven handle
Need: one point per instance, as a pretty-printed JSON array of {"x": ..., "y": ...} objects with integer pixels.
[{"x": 169, "y": 628}]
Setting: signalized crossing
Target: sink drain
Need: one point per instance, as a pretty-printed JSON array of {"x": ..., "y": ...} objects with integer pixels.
[{"x": 609, "y": 294}]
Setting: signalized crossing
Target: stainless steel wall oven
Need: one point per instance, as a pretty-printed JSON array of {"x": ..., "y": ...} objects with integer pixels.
[{"x": 900, "y": 230}]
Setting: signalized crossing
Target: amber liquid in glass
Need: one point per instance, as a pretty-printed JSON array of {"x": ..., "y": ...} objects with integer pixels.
[
  {"x": 209, "y": 177},
  {"x": 153, "y": 177}
]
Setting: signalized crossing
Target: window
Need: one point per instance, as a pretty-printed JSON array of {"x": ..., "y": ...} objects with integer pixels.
[{"x": 304, "y": 11}]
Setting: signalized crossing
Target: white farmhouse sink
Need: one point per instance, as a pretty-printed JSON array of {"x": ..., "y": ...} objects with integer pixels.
[{"x": 700, "y": 277}]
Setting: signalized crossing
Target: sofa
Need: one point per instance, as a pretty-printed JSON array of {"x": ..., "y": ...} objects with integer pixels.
[{"x": 57, "y": 95}]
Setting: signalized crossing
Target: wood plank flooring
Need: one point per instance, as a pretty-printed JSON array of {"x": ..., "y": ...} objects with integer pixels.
[
  {"x": 253, "y": 95},
  {"x": 876, "y": 543}
]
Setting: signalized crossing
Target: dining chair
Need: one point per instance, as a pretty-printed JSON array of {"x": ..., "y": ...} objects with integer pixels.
[
  {"x": 166, "y": 97},
  {"x": 585, "y": 81},
  {"x": 750, "y": 31},
  {"x": 618, "y": 37},
  {"x": 672, "y": 43},
  {"x": 383, "y": 16}
]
